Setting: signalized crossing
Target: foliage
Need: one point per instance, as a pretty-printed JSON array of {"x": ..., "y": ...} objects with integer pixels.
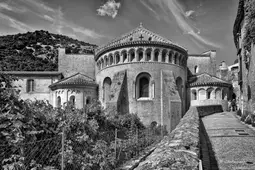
[
  {"x": 249, "y": 37},
  {"x": 37, "y": 51},
  {"x": 30, "y": 130}
]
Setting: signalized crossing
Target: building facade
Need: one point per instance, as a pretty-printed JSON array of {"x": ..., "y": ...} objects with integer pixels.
[
  {"x": 243, "y": 32},
  {"x": 139, "y": 72}
]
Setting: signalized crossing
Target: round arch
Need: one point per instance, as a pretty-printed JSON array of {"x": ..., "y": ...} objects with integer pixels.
[
  {"x": 179, "y": 85},
  {"x": 131, "y": 53},
  {"x": 143, "y": 89},
  {"x": 201, "y": 94},
  {"x": 106, "y": 89},
  {"x": 148, "y": 54},
  {"x": 193, "y": 94}
]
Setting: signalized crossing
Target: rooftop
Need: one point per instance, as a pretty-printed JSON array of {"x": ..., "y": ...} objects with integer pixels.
[
  {"x": 205, "y": 79},
  {"x": 139, "y": 34},
  {"x": 77, "y": 79}
]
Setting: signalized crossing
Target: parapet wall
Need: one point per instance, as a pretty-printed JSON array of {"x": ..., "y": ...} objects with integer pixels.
[
  {"x": 179, "y": 150},
  {"x": 208, "y": 110}
]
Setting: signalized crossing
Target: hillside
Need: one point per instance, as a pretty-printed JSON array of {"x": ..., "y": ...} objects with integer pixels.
[{"x": 37, "y": 51}]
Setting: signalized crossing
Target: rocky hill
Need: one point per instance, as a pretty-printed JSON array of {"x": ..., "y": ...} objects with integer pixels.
[{"x": 37, "y": 51}]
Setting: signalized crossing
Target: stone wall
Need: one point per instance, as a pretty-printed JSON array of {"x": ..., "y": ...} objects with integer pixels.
[
  {"x": 41, "y": 87},
  {"x": 118, "y": 94},
  {"x": 69, "y": 64},
  {"x": 148, "y": 109},
  {"x": 247, "y": 61},
  {"x": 81, "y": 96},
  {"x": 208, "y": 110},
  {"x": 205, "y": 62},
  {"x": 179, "y": 150}
]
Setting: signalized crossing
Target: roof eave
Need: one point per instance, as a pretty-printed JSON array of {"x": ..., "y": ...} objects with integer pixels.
[{"x": 135, "y": 43}]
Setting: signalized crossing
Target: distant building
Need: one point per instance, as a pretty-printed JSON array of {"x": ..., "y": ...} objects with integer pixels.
[{"x": 139, "y": 72}]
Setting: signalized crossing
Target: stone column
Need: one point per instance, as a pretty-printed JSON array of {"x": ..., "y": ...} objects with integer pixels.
[
  {"x": 66, "y": 96},
  {"x": 136, "y": 55},
  {"x": 121, "y": 57},
  {"x": 144, "y": 54},
  {"x": 152, "y": 54},
  {"x": 160, "y": 55},
  {"x": 173, "y": 58},
  {"x": 167, "y": 56}
]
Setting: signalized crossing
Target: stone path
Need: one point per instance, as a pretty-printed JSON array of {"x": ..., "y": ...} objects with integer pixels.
[{"x": 232, "y": 142}]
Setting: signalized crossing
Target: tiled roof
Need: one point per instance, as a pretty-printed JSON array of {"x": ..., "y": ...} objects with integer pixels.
[
  {"x": 138, "y": 34},
  {"x": 205, "y": 79},
  {"x": 45, "y": 73},
  {"x": 76, "y": 79}
]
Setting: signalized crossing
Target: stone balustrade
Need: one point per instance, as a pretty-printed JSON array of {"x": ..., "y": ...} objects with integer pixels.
[{"x": 141, "y": 54}]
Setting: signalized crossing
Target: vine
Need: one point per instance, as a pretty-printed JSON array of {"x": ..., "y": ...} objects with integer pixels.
[{"x": 249, "y": 37}]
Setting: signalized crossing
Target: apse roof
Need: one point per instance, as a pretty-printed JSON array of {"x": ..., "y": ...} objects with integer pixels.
[
  {"x": 206, "y": 79},
  {"x": 76, "y": 79},
  {"x": 138, "y": 34}
]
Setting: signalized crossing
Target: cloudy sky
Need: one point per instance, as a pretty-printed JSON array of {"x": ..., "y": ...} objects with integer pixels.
[{"x": 198, "y": 25}]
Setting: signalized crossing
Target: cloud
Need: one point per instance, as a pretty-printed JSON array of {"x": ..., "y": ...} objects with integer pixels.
[
  {"x": 20, "y": 26},
  {"x": 38, "y": 14},
  {"x": 190, "y": 14},
  {"x": 110, "y": 8},
  {"x": 8, "y": 7},
  {"x": 184, "y": 19},
  {"x": 150, "y": 8}
]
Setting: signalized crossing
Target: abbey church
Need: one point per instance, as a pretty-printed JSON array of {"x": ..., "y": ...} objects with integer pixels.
[{"x": 139, "y": 72}]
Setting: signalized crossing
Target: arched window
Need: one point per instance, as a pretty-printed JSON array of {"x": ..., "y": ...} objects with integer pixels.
[
  {"x": 176, "y": 58},
  {"x": 117, "y": 58},
  {"x": 140, "y": 55},
  {"x": 224, "y": 94},
  {"x": 218, "y": 94},
  {"x": 88, "y": 100},
  {"x": 196, "y": 69},
  {"x": 72, "y": 100},
  {"x": 148, "y": 55},
  {"x": 124, "y": 54},
  {"x": 102, "y": 63},
  {"x": 106, "y": 89},
  {"x": 58, "y": 101},
  {"x": 143, "y": 85},
  {"x": 193, "y": 94},
  {"x": 156, "y": 54},
  {"x": 201, "y": 94},
  {"x": 132, "y": 55},
  {"x": 170, "y": 55},
  {"x": 209, "y": 93},
  {"x": 107, "y": 61},
  {"x": 111, "y": 60},
  {"x": 164, "y": 56},
  {"x": 179, "y": 85},
  {"x": 30, "y": 85}
]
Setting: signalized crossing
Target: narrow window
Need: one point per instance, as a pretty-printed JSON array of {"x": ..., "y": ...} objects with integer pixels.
[
  {"x": 144, "y": 87},
  {"x": 72, "y": 100},
  {"x": 30, "y": 85},
  {"x": 195, "y": 69},
  {"x": 58, "y": 101}
]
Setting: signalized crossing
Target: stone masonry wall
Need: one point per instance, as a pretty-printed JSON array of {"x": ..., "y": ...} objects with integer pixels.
[
  {"x": 179, "y": 150},
  {"x": 118, "y": 94},
  {"x": 69, "y": 64}
]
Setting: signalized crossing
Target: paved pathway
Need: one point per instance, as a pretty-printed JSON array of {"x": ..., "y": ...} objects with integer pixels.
[{"x": 232, "y": 141}]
